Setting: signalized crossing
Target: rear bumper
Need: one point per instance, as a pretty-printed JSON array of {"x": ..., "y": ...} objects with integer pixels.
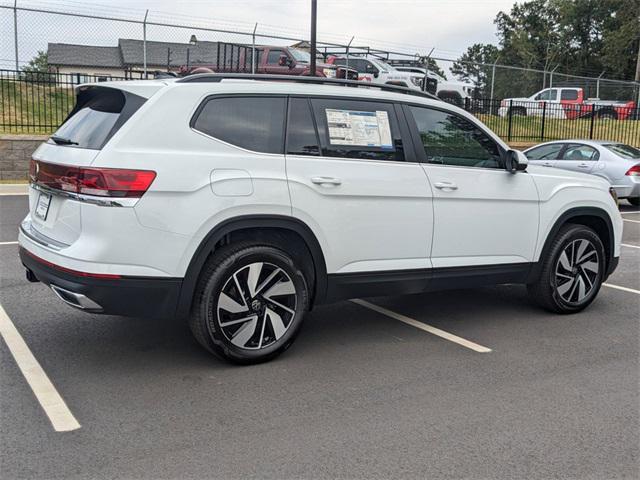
[{"x": 147, "y": 297}]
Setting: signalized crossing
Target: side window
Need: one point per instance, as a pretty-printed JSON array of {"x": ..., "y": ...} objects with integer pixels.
[
  {"x": 568, "y": 94},
  {"x": 274, "y": 56},
  {"x": 254, "y": 123},
  {"x": 358, "y": 129},
  {"x": 302, "y": 138},
  {"x": 543, "y": 95},
  {"x": 452, "y": 140},
  {"x": 545, "y": 152},
  {"x": 553, "y": 94},
  {"x": 580, "y": 153}
]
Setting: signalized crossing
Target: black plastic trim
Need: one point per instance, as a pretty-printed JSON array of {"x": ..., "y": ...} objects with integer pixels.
[
  {"x": 148, "y": 297},
  {"x": 252, "y": 222},
  {"x": 402, "y": 282}
]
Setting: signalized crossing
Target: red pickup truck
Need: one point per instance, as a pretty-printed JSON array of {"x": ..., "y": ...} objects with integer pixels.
[
  {"x": 566, "y": 102},
  {"x": 273, "y": 60}
]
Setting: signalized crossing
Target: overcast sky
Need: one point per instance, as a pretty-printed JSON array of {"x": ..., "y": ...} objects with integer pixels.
[{"x": 411, "y": 26}]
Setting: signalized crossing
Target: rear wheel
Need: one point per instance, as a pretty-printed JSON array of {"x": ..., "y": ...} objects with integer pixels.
[
  {"x": 634, "y": 201},
  {"x": 249, "y": 304},
  {"x": 572, "y": 271},
  {"x": 607, "y": 115}
]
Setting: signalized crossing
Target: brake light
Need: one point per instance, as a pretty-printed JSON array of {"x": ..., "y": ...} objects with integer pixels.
[
  {"x": 634, "y": 171},
  {"x": 102, "y": 182}
]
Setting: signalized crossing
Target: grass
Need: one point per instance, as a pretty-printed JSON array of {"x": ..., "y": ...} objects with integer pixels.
[
  {"x": 530, "y": 128},
  {"x": 33, "y": 108}
]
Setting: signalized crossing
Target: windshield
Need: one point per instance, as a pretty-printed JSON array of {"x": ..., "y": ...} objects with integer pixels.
[
  {"x": 300, "y": 55},
  {"x": 624, "y": 151}
]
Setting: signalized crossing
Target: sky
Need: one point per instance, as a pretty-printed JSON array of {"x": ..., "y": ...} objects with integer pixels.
[{"x": 410, "y": 26}]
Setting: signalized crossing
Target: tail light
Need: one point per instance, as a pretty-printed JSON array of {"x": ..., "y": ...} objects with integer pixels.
[
  {"x": 634, "y": 171},
  {"x": 101, "y": 182}
]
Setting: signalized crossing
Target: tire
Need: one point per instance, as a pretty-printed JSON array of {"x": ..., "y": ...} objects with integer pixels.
[
  {"x": 635, "y": 201},
  {"x": 607, "y": 115},
  {"x": 249, "y": 304},
  {"x": 518, "y": 112},
  {"x": 572, "y": 271}
]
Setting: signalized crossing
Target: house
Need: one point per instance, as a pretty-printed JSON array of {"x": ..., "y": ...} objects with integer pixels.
[{"x": 127, "y": 59}]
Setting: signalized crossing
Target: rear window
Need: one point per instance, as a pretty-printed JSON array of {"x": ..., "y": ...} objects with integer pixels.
[
  {"x": 624, "y": 151},
  {"x": 98, "y": 115}
]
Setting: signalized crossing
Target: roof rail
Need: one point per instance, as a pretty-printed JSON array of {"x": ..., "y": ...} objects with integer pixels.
[{"x": 218, "y": 77}]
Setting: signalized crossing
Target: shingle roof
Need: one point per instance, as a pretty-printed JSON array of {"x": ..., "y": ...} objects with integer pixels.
[
  {"x": 132, "y": 52},
  {"x": 83, "y": 55}
]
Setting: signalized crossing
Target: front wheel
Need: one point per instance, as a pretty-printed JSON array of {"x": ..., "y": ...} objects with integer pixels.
[
  {"x": 249, "y": 303},
  {"x": 572, "y": 271}
]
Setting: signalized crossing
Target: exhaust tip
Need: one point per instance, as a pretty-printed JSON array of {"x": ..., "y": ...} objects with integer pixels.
[
  {"x": 76, "y": 300},
  {"x": 31, "y": 277}
]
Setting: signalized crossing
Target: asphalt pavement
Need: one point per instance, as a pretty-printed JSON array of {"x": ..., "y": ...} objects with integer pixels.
[{"x": 361, "y": 394}]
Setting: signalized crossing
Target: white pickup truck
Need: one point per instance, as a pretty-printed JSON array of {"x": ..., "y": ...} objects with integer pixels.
[
  {"x": 566, "y": 103},
  {"x": 450, "y": 91}
]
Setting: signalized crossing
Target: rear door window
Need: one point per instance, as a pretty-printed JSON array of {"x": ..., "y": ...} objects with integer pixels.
[
  {"x": 581, "y": 153},
  {"x": 98, "y": 115},
  {"x": 358, "y": 129},
  {"x": 253, "y": 123}
]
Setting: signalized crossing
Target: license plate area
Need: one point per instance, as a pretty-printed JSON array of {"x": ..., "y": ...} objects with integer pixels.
[{"x": 42, "y": 206}]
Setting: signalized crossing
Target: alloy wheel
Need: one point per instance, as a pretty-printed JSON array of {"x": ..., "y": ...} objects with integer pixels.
[
  {"x": 256, "y": 305},
  {"x": 577, "y": 271}
]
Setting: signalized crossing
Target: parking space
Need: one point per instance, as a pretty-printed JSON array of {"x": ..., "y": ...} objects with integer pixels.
[{"x": 386, "y": 388}]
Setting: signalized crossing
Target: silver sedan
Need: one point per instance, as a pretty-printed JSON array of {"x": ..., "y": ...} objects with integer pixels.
[{"x": 618, "y": 163}]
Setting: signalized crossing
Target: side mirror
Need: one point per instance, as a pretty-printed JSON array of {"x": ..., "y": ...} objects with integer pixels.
[{"x": 515, "y": 161}]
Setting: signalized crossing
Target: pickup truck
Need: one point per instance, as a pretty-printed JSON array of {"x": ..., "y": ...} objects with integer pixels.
[
  {"x": 375, "y": 70},
  {"x": 269, "y": 59},
  {"x": 447, "y": 90},
  {"x": 566, "y": 103}
]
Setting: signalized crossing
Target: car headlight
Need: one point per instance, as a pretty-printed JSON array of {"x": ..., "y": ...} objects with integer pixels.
[
  {"x": 417, "y": 81},
  {"x": 329, "y": 72}
]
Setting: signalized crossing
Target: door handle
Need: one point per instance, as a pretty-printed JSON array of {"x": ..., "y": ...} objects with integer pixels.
[
  {"x": 445, "y": 186},
  {"x": 326, "y": 181},
  {"x": 583, "y": 165},
  {"x": 547, "y": 164}
]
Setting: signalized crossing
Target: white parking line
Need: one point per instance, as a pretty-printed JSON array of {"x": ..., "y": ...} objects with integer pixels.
[
  {"x": 630, "y": 221},
  {"x": 629, "y": 245},
  {"x": 624, "y": 289},
  {"x": 8, "y": 243},
  {"x": 423, "y": 326},
  {"x": 50, "y": 400}
]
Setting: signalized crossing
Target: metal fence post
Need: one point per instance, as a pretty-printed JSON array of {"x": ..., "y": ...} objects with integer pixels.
[
  {"x": 144, "y": 43},
  {"x": 598, "y": 84},
  {"x": 551, "y": 76},
  {"x": 544, "y": 115},
  {"x": 493, "y": 81},
  {"x": 15, "y": 32},
  {"x": 510, "y": 113},
  {"x": 253, "y": 49},
  {"x": 593, "y": 119}
]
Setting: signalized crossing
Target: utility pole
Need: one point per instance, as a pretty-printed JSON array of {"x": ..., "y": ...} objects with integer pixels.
[
  {"x": 314, "y": 19},
  {"x": 638, "y": 65},
  {"x": 15, "y": 31}
]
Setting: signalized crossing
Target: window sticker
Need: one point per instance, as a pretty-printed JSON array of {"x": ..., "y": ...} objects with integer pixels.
[{"x": 359, "y": 128}]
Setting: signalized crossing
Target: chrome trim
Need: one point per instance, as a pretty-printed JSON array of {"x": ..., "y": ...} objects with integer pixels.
[
  {"x": 31, "y": 233},
  {"x": 76, "y": 300},
  {"x": 92, "y": 199}
]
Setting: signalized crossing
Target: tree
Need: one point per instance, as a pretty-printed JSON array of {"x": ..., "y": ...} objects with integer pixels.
[
  {"x": 39, "y": 63},
  {"x": 467, "y": 68},
  {"x": 433, "y": 66}
]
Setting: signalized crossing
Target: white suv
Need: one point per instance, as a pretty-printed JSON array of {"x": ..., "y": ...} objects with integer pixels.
[{"x": 241, "y": 202}]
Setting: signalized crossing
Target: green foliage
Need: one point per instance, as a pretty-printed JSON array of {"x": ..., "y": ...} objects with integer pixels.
[
  {"x": 579, "y": 37},
  {"x": 39, "y": 63}
]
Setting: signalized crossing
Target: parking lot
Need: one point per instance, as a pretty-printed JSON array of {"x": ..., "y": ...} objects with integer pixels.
[{"x": 459, "y": 384}]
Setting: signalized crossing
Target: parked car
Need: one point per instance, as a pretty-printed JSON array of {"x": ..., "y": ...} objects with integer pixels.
[
  {"x": 269, "y": 59},
  {"x": 240, "y": 204},
  {"x": 566, "y": 103},
  {"x": 448, "y": 90},
  {"x": 617, "y": 163}
]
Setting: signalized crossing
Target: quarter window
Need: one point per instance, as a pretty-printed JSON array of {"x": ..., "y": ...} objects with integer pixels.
[
  {"x": 449, "y": 139},
  {"x": 254, "y": 123},
  {"x": 545, "y": 152},
  {"x": 358, "y": 129}
]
